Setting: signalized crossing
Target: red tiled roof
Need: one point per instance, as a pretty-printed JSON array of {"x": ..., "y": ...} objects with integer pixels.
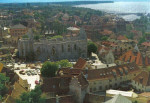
[
  {"x": 69, "y": 72},
  {"x": 108, "y": 43},
  {"x": 81, "y": 63},
  {"x": 82, "y": 80},
  {"x": 58, "y": 85},
  {"x": 108, "y": 73},
  {"x": 146, "y": 44},
  {"x": 143, "y": 78},
  {"x": 106, "y": 32},
  {"x": 111, "y": 72},
  {"x": 129, "y": 56},
  {"x": 121, "y": 37}
]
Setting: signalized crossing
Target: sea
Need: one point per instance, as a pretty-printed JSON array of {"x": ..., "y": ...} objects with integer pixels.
[{"x": 126, "y": 10}]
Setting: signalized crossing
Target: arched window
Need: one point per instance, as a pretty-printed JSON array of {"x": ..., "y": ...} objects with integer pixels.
[
  {"x": 62, "y": 47},
  {"x": 75, "y": 47},
  {"x": 68, "y": 48},
  {"x": 38, "y": 51},
  {"x": 53, "y": 51}
]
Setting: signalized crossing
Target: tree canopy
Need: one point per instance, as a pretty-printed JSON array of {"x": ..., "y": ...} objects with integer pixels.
[
  {"x": 32, "y": 97},
  {"x": 64, "y": 63},
  {"x": 49, "y": 69},
  {"x": 91, "y": 47},
  {"x": 3, "y": 88},
  {"x": 104, "y": 38}
]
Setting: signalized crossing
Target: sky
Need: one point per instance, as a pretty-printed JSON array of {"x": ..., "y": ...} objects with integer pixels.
[{"x": 10, "y": 1}]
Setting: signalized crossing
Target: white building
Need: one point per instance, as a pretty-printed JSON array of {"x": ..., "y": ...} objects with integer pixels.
[{"x": 123, "y": 93}]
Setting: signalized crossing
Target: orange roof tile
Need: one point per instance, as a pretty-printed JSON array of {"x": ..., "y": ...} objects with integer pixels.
[
  {"x": 121, "y": 37},
  {"x": 146, "y": 43},
  {"x": 111, "y": 72},
  {"x": 143, "y": 78},
  {"x": 129, "y": 56},
  {"x": 81, "y": 63}
]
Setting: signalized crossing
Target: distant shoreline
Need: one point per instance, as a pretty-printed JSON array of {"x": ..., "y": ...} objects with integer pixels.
[{"x": 61, "y": 3}]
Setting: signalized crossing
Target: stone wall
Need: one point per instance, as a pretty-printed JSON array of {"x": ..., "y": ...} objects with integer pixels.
[{"x": 70, "y": 48}]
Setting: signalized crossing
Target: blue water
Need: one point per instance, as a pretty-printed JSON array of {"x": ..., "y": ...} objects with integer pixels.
[
  {"x": 121, "y": 7},
  {"x": 23, "y": 1}
]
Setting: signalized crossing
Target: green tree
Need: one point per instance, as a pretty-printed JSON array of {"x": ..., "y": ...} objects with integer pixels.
[
  {"x": 25, "y": 36},
  {"x": 130, "y": 36},
  {"x": 142, "y": 39},
  {"x": 49, "y": 69},
  {"x": 32, "y": 97},
  {"x": 64, "y": 63},
  {"x": 91, "y": 47},
  {"x": 104, "y": 38},
  {"x": 36, "y": 37},
  {"x": 3, "y": 88}
]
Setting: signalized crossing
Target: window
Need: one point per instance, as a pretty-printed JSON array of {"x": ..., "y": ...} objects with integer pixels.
[
  {"x": 90, "y": 89},
  {"x": 53, "y": 51},
  {"x": 75, "y": 47},
  {"x": 100, "y": 87},
  {"x": 68, "y": 48},
  {"x": 38, "y": 50},
  {"x": 110, "y": 80},
  {"x": 106, "y": 87}
]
